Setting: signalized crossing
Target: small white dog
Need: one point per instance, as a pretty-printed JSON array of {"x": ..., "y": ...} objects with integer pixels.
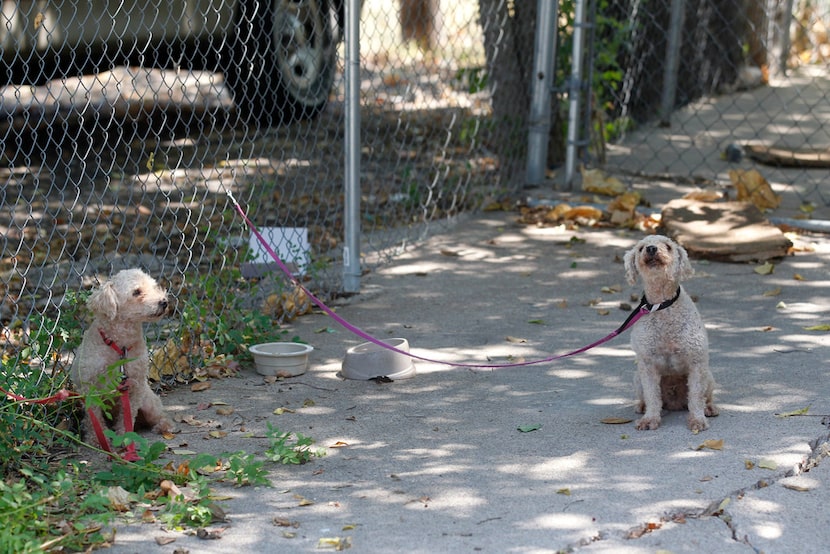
[
  {"x": 119, "y": 307},
  {"x": 671, "y": 344}
]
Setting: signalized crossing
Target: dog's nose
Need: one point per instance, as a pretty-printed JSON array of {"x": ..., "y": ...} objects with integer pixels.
[
  {"x": 651, "y": 250},
  {"x": 163, "y": 305}
]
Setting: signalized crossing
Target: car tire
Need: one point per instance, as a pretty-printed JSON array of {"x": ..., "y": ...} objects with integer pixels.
[{"x": 282, "y": 59}]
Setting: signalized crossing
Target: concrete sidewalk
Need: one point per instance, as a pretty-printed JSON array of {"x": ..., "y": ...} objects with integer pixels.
[{"x": 436, "y": 463}]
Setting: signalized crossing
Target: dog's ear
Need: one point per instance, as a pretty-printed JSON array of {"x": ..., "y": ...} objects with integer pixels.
[
  {"x": 684, "y": 266},
  {"x": 104, "y": 301},
  {"x": 630, "y": 263}
]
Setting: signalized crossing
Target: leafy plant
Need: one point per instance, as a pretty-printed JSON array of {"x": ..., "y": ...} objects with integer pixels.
[
  {"x": 245, "y": 469},
  {"x": 284, "y": 450}
]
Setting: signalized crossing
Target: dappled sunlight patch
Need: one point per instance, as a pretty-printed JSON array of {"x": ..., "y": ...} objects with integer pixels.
[
  {"x": 560, "y": 521},
  {"x": 552, "y": 468},
  {"x": 571, "y": 373},
  {"x": 462, "y": 501}
]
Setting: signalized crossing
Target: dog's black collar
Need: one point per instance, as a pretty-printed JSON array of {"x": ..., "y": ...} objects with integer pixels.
[
  {"x": 650, "y": 308},
  {"x": 646, "y": 308}
]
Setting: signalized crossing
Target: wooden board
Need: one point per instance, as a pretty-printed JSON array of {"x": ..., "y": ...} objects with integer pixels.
[
  {"x": 786, "y": 157},
  {"x": 724, "y": 231}
]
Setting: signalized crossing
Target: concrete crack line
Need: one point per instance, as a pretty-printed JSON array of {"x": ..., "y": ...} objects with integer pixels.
[{"x": 820, "y": 449}]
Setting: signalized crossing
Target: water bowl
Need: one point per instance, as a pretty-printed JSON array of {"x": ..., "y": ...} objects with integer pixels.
[
  {"x": 281, "y": 359},
  {"x": 369, "y": 360}
]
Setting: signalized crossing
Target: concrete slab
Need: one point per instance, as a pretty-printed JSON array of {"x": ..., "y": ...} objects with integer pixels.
[{"x": 436, "y": 463}]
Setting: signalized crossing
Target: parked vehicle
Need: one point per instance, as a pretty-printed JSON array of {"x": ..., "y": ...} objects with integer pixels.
[{"x": 278, "y": 56}]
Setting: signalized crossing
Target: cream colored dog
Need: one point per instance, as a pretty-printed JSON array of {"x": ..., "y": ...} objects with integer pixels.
[
  {"x": 671, "y": 344},
  {"x": 119, "y": 308}
]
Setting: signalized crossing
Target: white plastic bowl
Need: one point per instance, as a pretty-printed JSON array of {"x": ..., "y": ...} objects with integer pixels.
[
  {"x": 369, "y": 360},
  {"x": 281, "y": 359}
]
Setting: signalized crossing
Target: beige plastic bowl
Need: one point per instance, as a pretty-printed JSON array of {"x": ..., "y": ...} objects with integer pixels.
[
  {"x": 369, "y": 360},
  {"x": 281, "y": 359}
]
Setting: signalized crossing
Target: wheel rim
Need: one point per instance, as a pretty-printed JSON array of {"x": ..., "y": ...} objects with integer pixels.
[{"x": 299, "y": 39}]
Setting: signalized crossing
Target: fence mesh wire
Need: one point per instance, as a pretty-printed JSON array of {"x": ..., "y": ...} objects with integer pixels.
[{"x": 124, "y": 125}]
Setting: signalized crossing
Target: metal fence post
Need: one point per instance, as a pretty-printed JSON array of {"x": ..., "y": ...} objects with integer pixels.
[
  {"x": 351, "y": 217},
  {"x": 544, "y": 55},
  {"x": 574, "y": 92},
  {"x": 678, "y": 15}
]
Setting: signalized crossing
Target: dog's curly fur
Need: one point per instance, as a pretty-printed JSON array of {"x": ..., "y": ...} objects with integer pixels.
[
  {"x": 119, "y": 307},
  {"x": 671, "y": 345}
]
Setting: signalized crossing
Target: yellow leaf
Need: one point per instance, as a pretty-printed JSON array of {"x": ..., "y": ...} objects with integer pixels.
[
  {"x": 765, "y": 269},
  {"x": 615, "y": 420},
  {"x": 767, "y": 464},
  {"x": 349, "y": 527},
  {"x": 339, "y": 444},
  {"x": 303, "y": 501},
  {"x": 218, "y": 434},
  {"x": 711, "y": 444},
  {"x": 798, "y": 412},
  {"x": 798, "y": 277},
  {"x": 772, "y": 292},
  {"x": 566, "y": 492},
  {"x": 224, "y": 410},
  {"x": 822, "y": 327},
  {"x": 338, "y": 543},
  {"x": 749, "y": 464},
  {"x": 724, "y": 503},
  {"x": 280, "y": 411}
]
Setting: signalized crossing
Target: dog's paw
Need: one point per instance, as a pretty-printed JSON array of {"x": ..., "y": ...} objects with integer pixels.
[
  {"x": 165, "y": 426},
  {"x": 711, "y": 410},
  {"x": 696, "y": 424},
  {"x": 648, "y": 423}
]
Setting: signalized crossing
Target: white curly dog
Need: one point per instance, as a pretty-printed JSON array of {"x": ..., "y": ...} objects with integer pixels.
[
  {"x": 670, "y": 343},
  {"x": 119, "y": 307}
]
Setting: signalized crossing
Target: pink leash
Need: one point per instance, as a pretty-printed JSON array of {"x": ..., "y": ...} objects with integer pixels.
[{"x": 641, "y": 310}]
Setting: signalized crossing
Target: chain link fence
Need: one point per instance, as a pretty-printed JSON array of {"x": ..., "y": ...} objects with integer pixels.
[
  {"x": 690, "y": 89},
  {"x": 125, "y": 124}
]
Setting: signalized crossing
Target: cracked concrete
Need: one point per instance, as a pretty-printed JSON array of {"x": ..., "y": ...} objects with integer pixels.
[{"x": 436, "y": 463}]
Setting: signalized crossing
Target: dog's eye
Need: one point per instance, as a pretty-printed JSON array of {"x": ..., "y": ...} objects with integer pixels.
[{"x": 137, "y": 293}]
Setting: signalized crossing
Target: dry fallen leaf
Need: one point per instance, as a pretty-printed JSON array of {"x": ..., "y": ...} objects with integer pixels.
[
  {"x": 711, "y": 444},
  {"x": 768, "y": 464},
  {"x": 224, "y": 410},
  {"x": 515, "y": 340},
  {"x": 162, "y": 541},
  {"x": 765, "y": 269},
  {"x": 794, "y": 487},
  {"x": 338, "y": 543},
  {"x": 800, "y": 411},
  {"x": 752, "y": 187},
  {"x": 303, "y": 501},
  {"x": 198, "y": 387},
  {"x": 339, "y": 444},
  {"x": 615, "y": 420},
  {"x": 749, "y": 464},
  {"x": 597, "y": 181},
  {"x": 119, "y": 499},
  {"x": 566, "y": 492},
  {"x": 218, "y": 434},
  {"x": 772, "y": 292}
]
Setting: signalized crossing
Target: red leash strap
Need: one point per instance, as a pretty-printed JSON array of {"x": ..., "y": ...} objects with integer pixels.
[
  {"x": 59, "y": 396},
  {"x": 130, "y": 454}
]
